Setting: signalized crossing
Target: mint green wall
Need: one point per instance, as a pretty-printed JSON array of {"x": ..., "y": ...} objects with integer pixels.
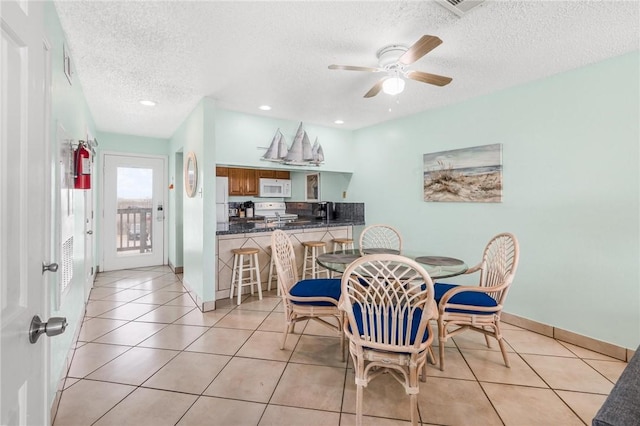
[
  {"x": 239, "y": 137},
  {"x": 197, "y": 134},
  {"x": 69, "y": 109},
  {"x": 332, "y": 186},
  {"x": 190, "y": 138},
  {"x": 176, "y": 222},
  {"x": 132, "y": 144},
  {"x": 209, "y": 266},
  {"x": 571, "y": 192}
]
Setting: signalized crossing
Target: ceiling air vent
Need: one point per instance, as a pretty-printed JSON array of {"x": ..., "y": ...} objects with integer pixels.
[{"x": 460, "y": 7}]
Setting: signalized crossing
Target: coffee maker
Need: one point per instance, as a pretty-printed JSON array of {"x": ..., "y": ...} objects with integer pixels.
[
  {"x": 324, "y": 210},
  {"x": 248, "y": 208}
]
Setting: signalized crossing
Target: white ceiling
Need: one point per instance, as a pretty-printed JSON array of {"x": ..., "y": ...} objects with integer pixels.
[{"x": 245, "y": 54}]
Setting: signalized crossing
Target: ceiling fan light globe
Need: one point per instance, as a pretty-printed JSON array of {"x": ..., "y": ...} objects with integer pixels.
[{"x": 393, "y": 86}]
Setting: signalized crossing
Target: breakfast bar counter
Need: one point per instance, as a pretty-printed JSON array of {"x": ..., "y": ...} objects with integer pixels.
[
  {"x": 235, "y": 235},
  {"x": 249, "y": 227}
]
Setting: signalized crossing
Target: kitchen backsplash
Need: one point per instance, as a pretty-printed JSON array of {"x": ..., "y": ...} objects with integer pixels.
[
  {"x": 349, "y": 211},
  {"x": 301, "y": 209}
]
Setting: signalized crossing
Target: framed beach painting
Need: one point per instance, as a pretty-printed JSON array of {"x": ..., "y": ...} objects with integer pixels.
[
  {"x": 464, "y": 175},
  {"x": 312, "y": 187}
]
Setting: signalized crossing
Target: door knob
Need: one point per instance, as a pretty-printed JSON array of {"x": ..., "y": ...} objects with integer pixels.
[
  {"x": 51, "y": 267},
  {"x": 90, "y": 232},
  {"x": 53, "y": 327}
]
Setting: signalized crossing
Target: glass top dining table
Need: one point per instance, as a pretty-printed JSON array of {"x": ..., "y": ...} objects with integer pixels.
[{"x": 436, "y": 266}]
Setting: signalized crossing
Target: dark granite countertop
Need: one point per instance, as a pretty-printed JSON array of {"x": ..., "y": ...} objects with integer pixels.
[
  {"x": 259, "y": 226},
  {"x": 236, "y": 219}
]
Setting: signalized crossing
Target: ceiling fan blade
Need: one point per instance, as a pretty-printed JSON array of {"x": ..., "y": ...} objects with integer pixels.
[
  {"x": 353, "y": 68},
  {"x": 420, "y": 48},
  {"x": 438, "y": 80},
  {"x": 375, "y": 89}
]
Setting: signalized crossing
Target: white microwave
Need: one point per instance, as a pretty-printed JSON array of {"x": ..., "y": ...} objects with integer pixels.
[{"x": 275, "y": 188}]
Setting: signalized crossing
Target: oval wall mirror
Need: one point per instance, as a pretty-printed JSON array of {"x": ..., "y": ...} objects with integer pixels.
[{"x": 191, "y": 175}]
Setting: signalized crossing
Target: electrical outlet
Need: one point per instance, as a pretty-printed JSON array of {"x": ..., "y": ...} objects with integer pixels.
[{"x": 344, "y": 194}]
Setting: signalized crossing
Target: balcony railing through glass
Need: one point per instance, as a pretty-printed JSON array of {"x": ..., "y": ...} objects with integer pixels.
[{"x": 134, "y": 229}]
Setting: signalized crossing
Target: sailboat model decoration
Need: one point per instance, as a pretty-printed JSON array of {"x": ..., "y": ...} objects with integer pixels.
[
  {"x": 277, "y": 151},
  {"x": 301, "y": 153},
  {"x": 317, "y": 153}
]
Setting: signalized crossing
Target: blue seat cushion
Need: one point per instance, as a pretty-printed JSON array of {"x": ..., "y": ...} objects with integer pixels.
[
  {"x": 373, "y": 326},
  {"x": 470, "y": 298},
  {"x": 317, "y": 287}
]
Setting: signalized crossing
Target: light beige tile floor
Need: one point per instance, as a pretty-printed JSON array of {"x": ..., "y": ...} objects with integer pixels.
[{"x": 147, "y": 355}]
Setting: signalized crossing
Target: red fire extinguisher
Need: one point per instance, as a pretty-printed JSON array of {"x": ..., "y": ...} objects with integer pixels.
[{"x": 82, "y": 167}]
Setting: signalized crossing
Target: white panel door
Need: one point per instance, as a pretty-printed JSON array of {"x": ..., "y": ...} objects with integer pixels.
[
  {"x": 134, "y": 209},
  {"x": 25, "y": 207}
]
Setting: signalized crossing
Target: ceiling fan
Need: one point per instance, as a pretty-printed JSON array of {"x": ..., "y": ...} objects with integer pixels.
[{"x": 394, "y": 60}]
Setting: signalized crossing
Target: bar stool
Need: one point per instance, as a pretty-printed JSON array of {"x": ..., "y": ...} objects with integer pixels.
[
  {"x": 342, "y": 243},
  {"x": 245, "y": 260},
  {"x": 273, "y": 273},
  {"x": 310, "y": 255}
]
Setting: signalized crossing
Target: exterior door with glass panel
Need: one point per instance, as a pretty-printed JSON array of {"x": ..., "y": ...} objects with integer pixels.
[{"x": 134, "y": 211}]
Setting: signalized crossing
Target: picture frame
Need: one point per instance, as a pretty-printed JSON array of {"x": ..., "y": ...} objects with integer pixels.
[
  {"x": 464, "y": 175},
  {"x": 191, "y": 175},
  {"x": 312, "y": 187}
]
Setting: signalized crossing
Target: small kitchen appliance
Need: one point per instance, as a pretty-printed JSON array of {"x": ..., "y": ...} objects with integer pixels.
[
  {"x": 323, "y": 210},
  {"x": 249, "y": 208},
  {"x": 274, "y": 212},
  {"x": 275, "y": 188}
]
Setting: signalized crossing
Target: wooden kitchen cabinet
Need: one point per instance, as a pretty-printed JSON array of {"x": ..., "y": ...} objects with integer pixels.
[
  {"x": 247, "y": 181},
  {"x": 273, "y": 174},
  {"x": 243, "y": 181},
  {"x": 236, "y": 181},
  {"x": 251, "y": 184},
  {"x": 268, "y": 174}
]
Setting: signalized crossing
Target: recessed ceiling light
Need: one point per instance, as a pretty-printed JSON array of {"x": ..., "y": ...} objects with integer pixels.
[
  {"x": 339, "y": 122},
  {"x": 148, "y": 103},
  {"x": 265, "y": 107}
]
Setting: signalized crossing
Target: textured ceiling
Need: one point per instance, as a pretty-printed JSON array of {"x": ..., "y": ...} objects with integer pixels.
[{"x": 245, "y": 54}]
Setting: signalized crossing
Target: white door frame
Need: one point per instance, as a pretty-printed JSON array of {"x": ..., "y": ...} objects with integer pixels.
[
  {"x": 101, "y": 208},
  {"x": 89, "y": 229},
  {"x": 89, "y": 240}
]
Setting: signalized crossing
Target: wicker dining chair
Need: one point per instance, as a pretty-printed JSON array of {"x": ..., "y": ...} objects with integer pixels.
[
  {"x": 389, "y": 301},
  {"x": 310, "y": 299},
  {"x": 479, "y": 307},
  {"x": 380, "y": 239}
]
